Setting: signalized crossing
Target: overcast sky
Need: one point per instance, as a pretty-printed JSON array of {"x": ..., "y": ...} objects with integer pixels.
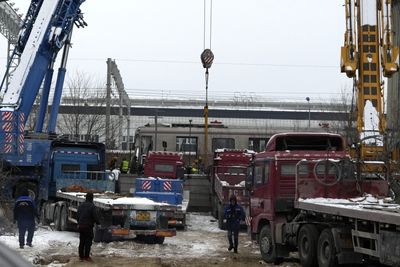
[{"x": 265, "y": 49}]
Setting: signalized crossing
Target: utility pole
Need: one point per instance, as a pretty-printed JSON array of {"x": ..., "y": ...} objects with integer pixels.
[
  {"x": 190, "y": 141},
  {"x": 108, "y": 103},
  {"x": 309, "y": 113},
  {"x": 124, "y": 100},
  {"x": 156, "y": 130}
]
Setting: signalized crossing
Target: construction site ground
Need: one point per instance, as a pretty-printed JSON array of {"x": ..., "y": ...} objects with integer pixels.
[{"x": 201, "y": 244}]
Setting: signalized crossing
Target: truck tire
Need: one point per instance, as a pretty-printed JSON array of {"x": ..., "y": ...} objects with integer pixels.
[
  {"x": 267, "y": 245},
  {"x": 159, "y": 240},
  {"x": 326, "y": 252},
  {"x": 56, "y": 218},
  {"x": 307, "y": 242},
  {"x": 150, "y": 239}
]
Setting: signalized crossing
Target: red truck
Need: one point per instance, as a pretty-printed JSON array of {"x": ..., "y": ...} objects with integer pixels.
[
  {"x": 164, "y": 164},
  {"x": 306, "y": 197},
  {"x": 228, "y": 178}
]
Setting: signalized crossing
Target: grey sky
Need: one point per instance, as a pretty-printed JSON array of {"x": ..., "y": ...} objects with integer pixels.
[{"x": 273, "y": 50}]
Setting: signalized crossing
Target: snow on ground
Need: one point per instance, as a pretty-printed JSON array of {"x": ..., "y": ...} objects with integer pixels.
[
  {"x": 44, "y": 241},
  {"x": 202, "y": 237}
]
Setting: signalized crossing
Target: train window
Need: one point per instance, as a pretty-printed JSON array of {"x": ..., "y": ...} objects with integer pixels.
[
  {"x": 257, "y": 144},
  {"x": 186, "y": 144},
  {"x": 223, "y": 143},
  {"x": 258, "y": 175}
]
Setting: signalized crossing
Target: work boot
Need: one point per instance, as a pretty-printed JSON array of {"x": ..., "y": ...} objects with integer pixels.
[
  {"x": 29, "y": 244},
  {"x": 88, "y": 259},
  {"x": 21, "y": 246},
  {"x": 230, "y": 248},
  {"x": 235, "y": 250}
]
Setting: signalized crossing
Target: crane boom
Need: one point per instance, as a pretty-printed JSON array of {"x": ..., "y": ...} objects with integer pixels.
[
  {"x": 367, "y": 55},
  {"x": 46, "y": 29}
]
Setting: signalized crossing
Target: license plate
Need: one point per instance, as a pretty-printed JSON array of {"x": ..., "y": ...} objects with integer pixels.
[{"x": 143, "y": 216}]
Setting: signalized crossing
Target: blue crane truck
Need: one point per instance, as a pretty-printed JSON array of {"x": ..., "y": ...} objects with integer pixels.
[{"x": 52, "y": 169}]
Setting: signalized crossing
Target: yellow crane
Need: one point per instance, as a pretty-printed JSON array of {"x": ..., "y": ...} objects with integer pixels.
[{"x": 367, "y": 56}]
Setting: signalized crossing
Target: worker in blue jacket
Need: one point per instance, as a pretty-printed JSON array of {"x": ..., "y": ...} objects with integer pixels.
[
  {"x": 233, "y": 214},
  {"x": 25, "y": 213}
]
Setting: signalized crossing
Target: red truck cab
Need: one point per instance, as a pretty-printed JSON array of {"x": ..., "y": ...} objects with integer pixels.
[
  {"x": 228, "y": 178},
  {"x": 272, "y": 177},
  {"x": 311, "y": 166},
  {"x": 273, "y": 171},
  {"x": 164, "y": 164}
]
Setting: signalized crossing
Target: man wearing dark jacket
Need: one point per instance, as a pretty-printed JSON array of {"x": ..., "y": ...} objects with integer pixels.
[
  {"x": 86, "y": 219},
  {"x": 234, "y": 213},
  {"x": 24, "y": 214}
]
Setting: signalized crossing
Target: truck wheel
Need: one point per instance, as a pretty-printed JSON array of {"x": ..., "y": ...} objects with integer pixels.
[
  {"x": 151, "y": 239},
  {"x": 64, "y": 223},
  {"x": 56, "y": 218},
  {"x": 326, "y": 249},
  {"x": 307, "y": 244},
  {"x": 159, "y": 239},
  {"x": 267, "y": 246}
]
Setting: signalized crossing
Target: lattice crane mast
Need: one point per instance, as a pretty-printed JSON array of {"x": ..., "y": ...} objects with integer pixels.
[{"x": 367, "y": 55}]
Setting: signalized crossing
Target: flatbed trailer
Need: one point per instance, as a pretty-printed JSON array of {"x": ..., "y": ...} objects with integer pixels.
[
  {"x": 379, "y": 213},
  {"x": 120, "y": 217},
  {"x": 374, "y": 227}
]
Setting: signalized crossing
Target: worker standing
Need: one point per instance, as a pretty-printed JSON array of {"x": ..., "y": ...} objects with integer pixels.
[
  {"x": 24, "y": 214},
  {"x": 124, "y": 166},
  {"x": 87, "y": 217},
  {"x": 234, "y": 213},
  {"x": 116, "y": 173}
]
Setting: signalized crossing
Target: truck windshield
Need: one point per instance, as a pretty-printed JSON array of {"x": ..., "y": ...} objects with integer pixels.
[{"x": 320, "y": 143}]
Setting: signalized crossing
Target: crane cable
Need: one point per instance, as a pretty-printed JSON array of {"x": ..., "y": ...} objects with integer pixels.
[
  {"x": 205, "y": 16},
  {"x": 207, "y": 58}
]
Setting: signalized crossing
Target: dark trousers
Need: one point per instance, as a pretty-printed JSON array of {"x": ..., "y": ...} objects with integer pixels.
[
  {"x": 23, "y": 227},
  {"x": 85, "y": 241},
  {"x": 233, "y": 238}
]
